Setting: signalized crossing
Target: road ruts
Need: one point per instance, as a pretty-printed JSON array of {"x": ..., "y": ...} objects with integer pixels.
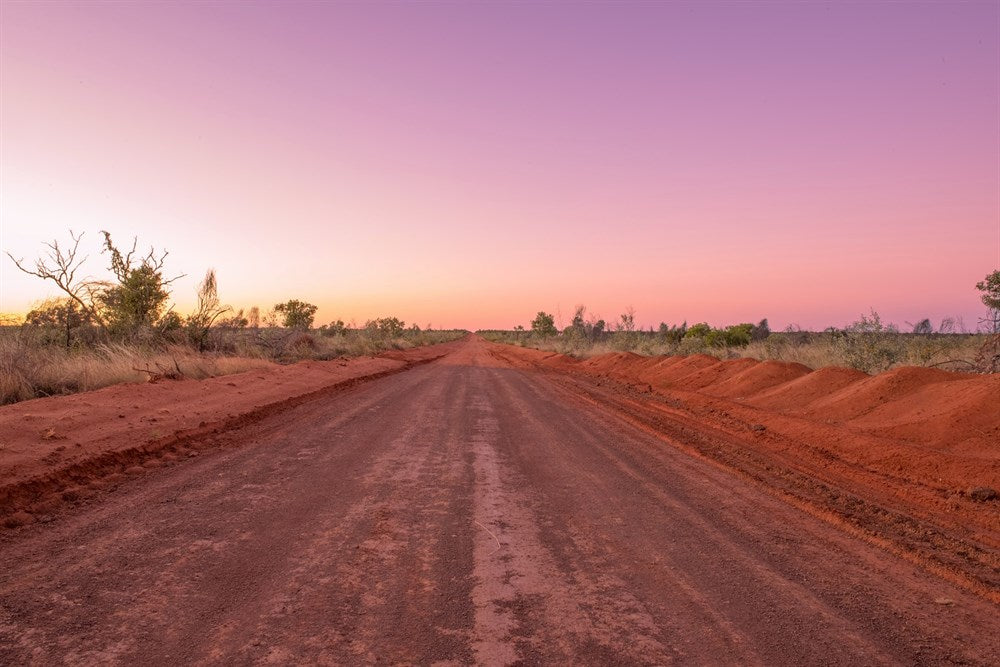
[{"x": 463, "y": 512}]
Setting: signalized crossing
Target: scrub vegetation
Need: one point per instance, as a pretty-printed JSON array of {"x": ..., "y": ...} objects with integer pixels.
[
  {"x": 122, "y": 328},
  {"x": 868, "y": 344}
]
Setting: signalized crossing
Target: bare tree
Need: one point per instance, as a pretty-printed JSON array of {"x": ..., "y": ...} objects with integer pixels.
[
  {"x": 60, "y": 265},
  {"x": 627, "y": 323},
  {"x": 923, "y": 327},
  {"x": 208, "y": 311}
]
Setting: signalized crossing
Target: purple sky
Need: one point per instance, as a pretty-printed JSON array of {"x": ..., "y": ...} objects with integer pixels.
[{"x": 468, "y": 165}]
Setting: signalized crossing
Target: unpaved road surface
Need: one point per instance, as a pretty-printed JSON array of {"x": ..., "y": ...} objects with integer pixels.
[{"x": 464, "y": 511}]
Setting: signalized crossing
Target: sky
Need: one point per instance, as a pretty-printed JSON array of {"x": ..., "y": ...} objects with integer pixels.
[{"x": 469, "y": 164}]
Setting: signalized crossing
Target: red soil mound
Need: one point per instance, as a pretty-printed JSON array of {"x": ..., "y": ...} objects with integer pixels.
[
  {"x": 962, "y": 415},
  {"x": 757, "y": 378},
  {"x": 894, "y": 419},
  {"x": 669, "y": 375},
  {"x": 795, "y": 395},
  {"x": 864, "y": 396},
  {"x": 614, "y": 362},
  {"x": 711, "y": 375},
  {"x": 655, "y": 371},
  {"x": 917, "y": 442},
  {"x": 556, "y": 360}
]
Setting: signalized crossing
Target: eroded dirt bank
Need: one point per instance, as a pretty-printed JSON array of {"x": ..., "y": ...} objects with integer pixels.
[
  {"x": 476, "y": 510},
  {"x": 59, "y": 449}
]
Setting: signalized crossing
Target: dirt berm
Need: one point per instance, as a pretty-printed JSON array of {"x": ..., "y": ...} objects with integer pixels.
[
  {"x": 908, "y": 459},
  {"x": 65, "y": 448}
]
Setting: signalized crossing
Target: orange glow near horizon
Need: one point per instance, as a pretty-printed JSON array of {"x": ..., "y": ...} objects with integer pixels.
[{"x": 467, "y": 166}]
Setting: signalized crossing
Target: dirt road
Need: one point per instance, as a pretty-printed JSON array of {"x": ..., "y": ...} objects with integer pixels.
[{"x": 464, "y": 511}]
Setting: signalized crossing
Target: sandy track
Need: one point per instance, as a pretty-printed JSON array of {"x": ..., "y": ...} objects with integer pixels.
[{"x": 465, "y": 511}]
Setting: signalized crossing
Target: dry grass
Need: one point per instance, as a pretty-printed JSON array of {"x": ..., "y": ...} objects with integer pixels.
[
  {"x": 28, "y": 371},
  {"x": 32, "y": 370},
  {"x": 815, "y": 350}
]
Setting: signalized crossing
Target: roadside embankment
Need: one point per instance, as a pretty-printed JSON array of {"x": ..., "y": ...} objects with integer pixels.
[{"x": 65, "y": 448}]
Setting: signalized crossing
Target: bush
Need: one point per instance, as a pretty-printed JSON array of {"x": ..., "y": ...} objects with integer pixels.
[
  {"x": 385, "y": 327},
  {"x": 296, "y": 314},
  {"x": 869, "y": 345},
  {"x": 699, "y": 330},
  {"x": 544, "y": 325},
  {"x": 335, "y": 328},
  {"x": 59, "y": 322}
]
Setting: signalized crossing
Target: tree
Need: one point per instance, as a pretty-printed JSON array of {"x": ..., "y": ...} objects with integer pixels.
[
  {"x": 577, "y": 327},
  {"x": 990, "y": 288},
  {"x": 386, "y": 327},
  {"x": 544, "y": 325},
  {"x": 138, "y": 298},
  {"x": 597, "y": 330},
  {"x": 61, "y": 317},
  {"x": 61, "y": 266},
  {"x": 699, "y": 330},
  {"x": 209, "y": 309},
  {"x": 335, "y": 328},
  {"x": 253, "y": 317},
  {"x": 134, "y": 299},
  {"x": 296, "y": 314},
  {"x": 238, "y": 320},
  {"x": 627, "y": 322},
  {"x": 673, "y": 333},
  {"x": 923, "y": 327},
  {"x": 761, "y": 331}
]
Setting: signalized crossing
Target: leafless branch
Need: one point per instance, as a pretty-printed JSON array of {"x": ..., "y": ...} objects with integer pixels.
[{"x": 60, "y": 266}]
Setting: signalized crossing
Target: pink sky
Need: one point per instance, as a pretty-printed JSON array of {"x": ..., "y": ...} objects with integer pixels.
[{"x": 467, "y": 166}]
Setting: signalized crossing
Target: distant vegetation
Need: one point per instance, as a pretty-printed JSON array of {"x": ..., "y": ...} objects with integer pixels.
[
  {"x": 868, "y": 344},
  {"x": 121, "y": 328}
]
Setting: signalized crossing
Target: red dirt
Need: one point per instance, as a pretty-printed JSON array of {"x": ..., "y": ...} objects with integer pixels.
[
  {"x": 501, "y": 505},
  {"x": 806, "y": 388},
  {"x": 913, "y": 439},
  {"x": 67, "y": 445},
  {"x": 758, "y": 377},
  {"x": 922, "y": 406}
]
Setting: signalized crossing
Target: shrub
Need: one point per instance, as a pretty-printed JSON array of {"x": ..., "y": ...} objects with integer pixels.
[
  {"x": 296, "y": 314},
  {"x": 699, "y": 330},
  {"x": 335, "y": 328},
  {"x": 58, "y": 321},
  {"x": 761, "y": 331},
  {"x": 869, "y": 345},
  {"x": 544, "y": 325},
  {"x": 385, "y": 327},
  {"x": 990, "y": 288}
]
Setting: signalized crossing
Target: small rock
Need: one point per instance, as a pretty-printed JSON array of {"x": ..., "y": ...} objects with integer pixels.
[
  {"x": 944, "y": 601},
  {"x": 758, "y": 427},
  {"x": 983, "y": 493}
]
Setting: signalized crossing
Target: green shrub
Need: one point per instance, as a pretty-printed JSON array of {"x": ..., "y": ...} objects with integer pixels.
[
  {"x": 699, "y": 330},
  {"x": 296, "y": 314},
  {"x": 869, "y": 345},
  {"x": 544, "y": 325}
]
